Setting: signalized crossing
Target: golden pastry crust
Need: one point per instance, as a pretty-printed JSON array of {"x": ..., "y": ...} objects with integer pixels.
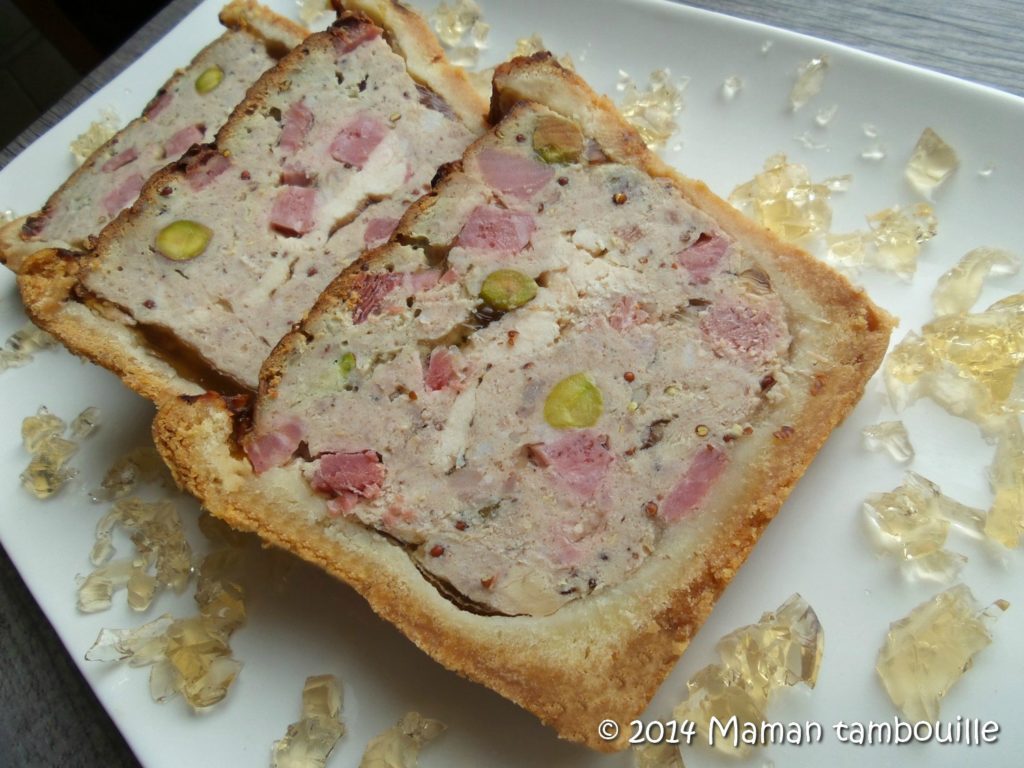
[{"x": 602, "y": 656}]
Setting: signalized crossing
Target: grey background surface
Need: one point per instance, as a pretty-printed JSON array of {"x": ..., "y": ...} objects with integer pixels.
[{"x": 49, "y": 716}]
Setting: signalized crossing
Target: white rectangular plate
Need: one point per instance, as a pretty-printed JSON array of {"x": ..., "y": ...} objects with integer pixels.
[{"x": 302, "y": 623}]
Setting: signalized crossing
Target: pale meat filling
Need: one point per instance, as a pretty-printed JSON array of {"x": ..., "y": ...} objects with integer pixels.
[
  {"x": 513, "y": 514},
  {"x": 320, "y": 172},
  {"x": 177, "y": 119}
]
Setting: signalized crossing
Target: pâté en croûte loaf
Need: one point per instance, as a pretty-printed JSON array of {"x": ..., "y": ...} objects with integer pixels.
[{"x": 541, "y": 428}]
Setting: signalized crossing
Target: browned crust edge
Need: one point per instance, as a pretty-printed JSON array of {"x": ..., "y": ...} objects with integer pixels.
[
  {"x": 48, "y": 282},
  {"x": 260, "y": 21},
  {"x": 411, "y": 37},
  {"x": 276, "y": 31},
  {"x": 615, "y": 674}
]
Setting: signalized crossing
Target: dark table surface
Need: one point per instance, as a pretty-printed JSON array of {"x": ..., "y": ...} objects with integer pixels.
[{"x": 49, "y": 716}]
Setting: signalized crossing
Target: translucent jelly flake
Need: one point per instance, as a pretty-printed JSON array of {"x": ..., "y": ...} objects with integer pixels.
[
  {"x": 928, "y": 651},
  {"x": 931, "y": 163},
  {"x": 198, "y": 658},
  {"x": 731, "y": 87},
  {"x": 85, "y": 423},
  {"x": 190, "y": 656},
  {"x": 784, "y": 648},
  {"x": 897, "y": 235},
  {"x": 36, "y": 430},
  {"x": 891, "y": 437},
  {"x": 20, "y": 347},
  {"x": 156, "y": 531},
  {"x": 219, "y": 593},
  {"x": 891, "y": 243},
  {"x": 309, "y": 741},
  {"x": 662, "y": 755},
  {"x": 825, "y": 114},
  {"x": 1005, "y": 522},
  {"x": 913, "y": 520},
  {"x": 810, "y": 76},
  {"x": 808, "y": 141},
  {"x": 96, "y": 592},
  {"x": 138, "y": 647},
  {"x": 47, "y": 471},
  {"x": 785, "y": 200},
  {"x": 969, "y": 364},
  {"x": 654, "y": 110},
  {"x": 959, "y": 288},
  {"x": 400, "y": 745},
  {"x": 462, "y": 30},
  {"x": 873, "y": 152},
  {"x": 96, "y": 135},
  {"x": 838, "y": 183},
  {"x": 141, "y": 465}
]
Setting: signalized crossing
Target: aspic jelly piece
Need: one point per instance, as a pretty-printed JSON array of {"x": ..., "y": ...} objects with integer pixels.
[
  {"x": 913, "y": 521},
  {"x": 785, "y": 200},
  {"x": 926, "y": 653},
  {"x": 140, "y": 465},
  {"x": 188, "y": 656},
  {"x": 48, "y": 470},
  {"x": 400, "y": 745},
  {"x": 892, "y": 242},
  {"x": 891, "y": 437},
  {"x": 931, "y": 163},
  {"x": 1005, "y": 522},
  {"x": 159, "y": 538},
  {"x": 784, "y": 648},
  {"x": 20, "y": 347},
  {"x": 968, "y": 364},
  {"x": 960, "y": 286},
  {"x": 308, "y": 743},
  {"x": 810, "y": 78},
  {"x": 652, "y": 111}
]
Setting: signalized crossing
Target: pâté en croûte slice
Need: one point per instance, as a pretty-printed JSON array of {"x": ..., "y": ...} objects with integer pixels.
[
  {"x": 226, "y": 249},
  {"x": 188, "y": 109}
]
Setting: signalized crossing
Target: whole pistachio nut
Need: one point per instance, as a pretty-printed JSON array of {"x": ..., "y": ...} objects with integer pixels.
[
  {"x": 183, "y": 240},
  {"x": 209, "y": 79},
  {"x": 507, "y": 289},
  {"x": 574, "y": 402},
  {"x": 347, "y": 364},
  {"x": 557, "y": 140}
]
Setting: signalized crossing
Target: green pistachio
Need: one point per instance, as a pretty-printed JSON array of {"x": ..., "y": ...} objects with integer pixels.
[
  {"x": 210, "y": 79},
  {"x": 183, "y": 240},
  {"x": 557, "y": 140},
  {"x": 575, "y": 401},
  {"x": 347, "y": 364},
  {"x": 507, "y": 289}
]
